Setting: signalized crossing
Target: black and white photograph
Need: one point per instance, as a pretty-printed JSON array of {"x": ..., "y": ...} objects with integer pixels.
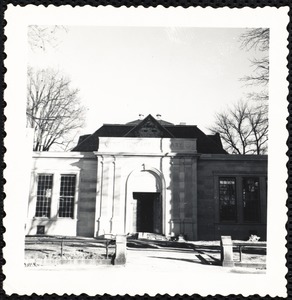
[{"x": 146, "y": 151}]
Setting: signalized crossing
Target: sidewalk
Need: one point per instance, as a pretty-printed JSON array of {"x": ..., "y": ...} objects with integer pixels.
[{"x": 151, "y": 271}]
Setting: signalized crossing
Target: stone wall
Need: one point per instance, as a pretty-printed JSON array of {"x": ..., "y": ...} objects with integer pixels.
[
  {"x": 183, "y": 196},
  {"x": 210, "y": 168},
  {"x": 57, "y": 164},
  {"x": 87, "y": 197},
  {"x": 188, "y": 184}
]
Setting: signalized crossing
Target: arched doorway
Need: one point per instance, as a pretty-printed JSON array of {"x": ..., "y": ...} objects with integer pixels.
[{"x": 144, "y": 203}]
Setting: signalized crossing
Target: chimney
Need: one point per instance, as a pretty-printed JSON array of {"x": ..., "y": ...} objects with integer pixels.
[
  {"x": 158, "y": 117},
  {"x": 182, "y": 123},
  {"x": 141, "y": 116}
]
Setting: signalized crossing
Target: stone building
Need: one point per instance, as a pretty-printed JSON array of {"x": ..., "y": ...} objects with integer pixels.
[{"x": 148, "y": 176}]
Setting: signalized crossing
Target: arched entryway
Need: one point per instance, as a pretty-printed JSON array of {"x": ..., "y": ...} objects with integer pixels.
[{"x": 144, "y": 203}]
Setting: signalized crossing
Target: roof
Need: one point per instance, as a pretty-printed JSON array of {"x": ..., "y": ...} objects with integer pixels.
[{"x": 149, "y": 127}]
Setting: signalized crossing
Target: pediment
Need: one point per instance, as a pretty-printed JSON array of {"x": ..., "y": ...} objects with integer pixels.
[{"x": 149, "y": 127}]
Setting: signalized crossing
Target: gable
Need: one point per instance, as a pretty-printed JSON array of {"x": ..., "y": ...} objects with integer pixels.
[{"x": 149, "y": 127}]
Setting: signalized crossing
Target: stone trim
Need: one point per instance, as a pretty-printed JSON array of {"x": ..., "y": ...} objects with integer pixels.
[
  {"x": 233, "y": 157},
  {"x": 69, "y": 155}
]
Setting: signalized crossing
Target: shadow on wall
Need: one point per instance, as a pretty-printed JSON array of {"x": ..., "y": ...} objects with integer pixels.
[
  {"x": 87, "y": 193},
  {"x": 183, "y": 191}
]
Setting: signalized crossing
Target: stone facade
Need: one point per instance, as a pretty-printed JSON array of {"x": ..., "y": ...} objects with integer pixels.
[
  {"x": 180, "y": 185},
  {"x": 213, "y": 167}
]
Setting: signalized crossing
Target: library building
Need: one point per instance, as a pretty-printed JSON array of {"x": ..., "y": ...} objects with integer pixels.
[{"x": 148, "y": 176}]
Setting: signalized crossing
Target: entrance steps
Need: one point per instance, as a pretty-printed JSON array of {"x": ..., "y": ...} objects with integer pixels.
[{"x": 150, "y": 236}]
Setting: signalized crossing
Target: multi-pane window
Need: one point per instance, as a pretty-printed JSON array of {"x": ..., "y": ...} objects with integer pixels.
[
  {"x": 44, "y": 195},
  {"x": 67, "y": 196},
  {"x": 251, "y": 199},
  {"x": 227, "y": 199}
]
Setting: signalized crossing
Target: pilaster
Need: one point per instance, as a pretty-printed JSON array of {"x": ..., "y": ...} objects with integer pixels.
[
  {"x": 165, "y": 168},
  {"x": 107, "y": 195},
  {"x": 116, "y": 219},
  {"x": 195, "y": 198},
  {"x": 182, "y": 194}
]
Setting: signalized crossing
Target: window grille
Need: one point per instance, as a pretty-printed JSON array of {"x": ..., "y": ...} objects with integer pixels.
[
  {"x": 227, "y": 199},
  {"x": 67, "y": 196},
  {"x": 251, "y": 199},
  {"x": 44, "y": 195}
]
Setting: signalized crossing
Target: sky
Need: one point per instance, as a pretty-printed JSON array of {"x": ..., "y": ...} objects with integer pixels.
[{"x": 185, "y": 74}]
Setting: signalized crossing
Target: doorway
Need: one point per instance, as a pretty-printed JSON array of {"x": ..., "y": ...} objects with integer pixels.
[{"x": 147, "y": 212}]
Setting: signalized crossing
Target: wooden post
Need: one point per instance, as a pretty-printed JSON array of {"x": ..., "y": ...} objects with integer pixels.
[
  {"x": 226, "y": 251},
  {"x": 121, "y": 250}
]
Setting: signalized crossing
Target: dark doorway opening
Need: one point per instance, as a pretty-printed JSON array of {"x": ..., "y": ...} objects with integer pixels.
[{"x": 148, "y": 215}]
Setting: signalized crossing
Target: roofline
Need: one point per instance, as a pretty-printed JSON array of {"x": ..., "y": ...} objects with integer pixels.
[
  {"x": 168, "y": 125},
  {"x": 246, "y": 157},
  {"x": 59, "y": 154},
  {"x": 116, "y": 124},
  {"x": 180, "y": 125}
]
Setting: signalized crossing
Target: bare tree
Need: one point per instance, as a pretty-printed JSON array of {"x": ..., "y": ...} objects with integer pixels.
[
  {"x": 257, "y": 39},
  {"x": 243, "y": 129},
  {"x": 40, "y": 37},
  {"x": 53, "y": 109},
  {"x": 259, "y": 125}
]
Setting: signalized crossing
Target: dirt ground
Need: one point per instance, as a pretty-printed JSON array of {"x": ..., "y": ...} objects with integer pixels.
[{"x": 57, "y": 247}]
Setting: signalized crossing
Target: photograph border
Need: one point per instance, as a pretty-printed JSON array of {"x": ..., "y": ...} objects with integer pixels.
[{"x": 231, "y": 4}]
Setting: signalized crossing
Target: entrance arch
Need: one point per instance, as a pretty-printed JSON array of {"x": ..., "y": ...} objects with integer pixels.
[{"x": 145, "y": 200}]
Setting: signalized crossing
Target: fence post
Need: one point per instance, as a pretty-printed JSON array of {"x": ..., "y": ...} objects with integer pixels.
[
  {"x": 226, "y": 251},
  {"x": 62, "y": 244},
  {"x": 121, "y": 250}
]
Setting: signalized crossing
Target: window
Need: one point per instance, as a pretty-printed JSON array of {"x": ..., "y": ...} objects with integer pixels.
[
  {"x": 251, "y": 199},
  {"x": 67, "y": 196},
  {"x": 227, "y": 199},
  {"x": 44, "y": 195}
]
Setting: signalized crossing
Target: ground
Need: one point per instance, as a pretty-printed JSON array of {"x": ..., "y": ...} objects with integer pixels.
[
  {"x": 55, "y": 247},
  {"x": 149, "y": 253}
]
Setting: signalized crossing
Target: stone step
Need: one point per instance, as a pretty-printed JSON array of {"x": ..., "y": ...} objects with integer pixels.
[{"x": 151, "y": 236}]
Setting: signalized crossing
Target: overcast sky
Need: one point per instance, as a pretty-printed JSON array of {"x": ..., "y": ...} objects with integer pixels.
[{"x": 184, "y": 74}]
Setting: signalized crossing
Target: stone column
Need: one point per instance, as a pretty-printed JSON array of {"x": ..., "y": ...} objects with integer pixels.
[{"x": 226, "y": 251}]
